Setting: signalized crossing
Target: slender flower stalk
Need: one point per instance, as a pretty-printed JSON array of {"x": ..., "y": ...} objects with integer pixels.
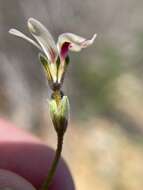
[
  {"x": 54, "y": 59},
  {"x": 52, "y": 170}
]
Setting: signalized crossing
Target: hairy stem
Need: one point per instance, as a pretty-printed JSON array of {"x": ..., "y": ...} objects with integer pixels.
[{"x": 55, "y": 162}]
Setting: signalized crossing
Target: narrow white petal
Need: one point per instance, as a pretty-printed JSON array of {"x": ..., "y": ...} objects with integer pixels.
[
  {"x": 76, "y": 43},
  {"x": 44, "y": 38},
  {"x": 87, "y": 43},
  {"x": 73, "y": 39},
  {"x": 21, "y": 35}
]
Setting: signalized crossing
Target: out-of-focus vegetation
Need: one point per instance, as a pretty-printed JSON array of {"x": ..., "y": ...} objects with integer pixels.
[
  {"x": 96, "y": 83},
  {"x": 103, "y": 146}
]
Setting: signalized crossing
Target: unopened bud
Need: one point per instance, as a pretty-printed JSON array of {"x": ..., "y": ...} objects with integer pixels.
[{"x": 59, "y": 114}]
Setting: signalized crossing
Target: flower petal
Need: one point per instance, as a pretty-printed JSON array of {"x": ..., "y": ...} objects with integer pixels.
[
  {"x": 21, "y": 35},
  {"x": 44, "y": 38},
  {"x": 69, "y": 41}
]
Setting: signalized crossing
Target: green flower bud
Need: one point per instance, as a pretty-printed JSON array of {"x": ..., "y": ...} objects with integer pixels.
[{"x": 59, "y": 114}]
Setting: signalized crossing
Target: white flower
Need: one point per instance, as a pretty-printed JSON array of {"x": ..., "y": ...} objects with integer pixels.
[{"x": 52, "y": 52}]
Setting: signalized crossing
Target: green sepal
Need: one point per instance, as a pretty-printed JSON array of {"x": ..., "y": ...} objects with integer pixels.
[
  {"x": 62, "y": 69},
  {"x": 45, "y": 64},
  {"x": 58, "y": 62},
  {"x": 67, "y": 60}
]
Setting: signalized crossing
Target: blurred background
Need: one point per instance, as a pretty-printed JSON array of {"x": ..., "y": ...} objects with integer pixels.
[{"x": 104, "y": 142}]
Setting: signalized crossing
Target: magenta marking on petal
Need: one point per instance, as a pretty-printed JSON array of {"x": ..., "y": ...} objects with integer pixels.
[{"x": 64, "y": 49}]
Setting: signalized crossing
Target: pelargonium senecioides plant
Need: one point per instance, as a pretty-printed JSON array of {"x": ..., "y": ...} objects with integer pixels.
[{"x": 55, "y": 59}]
